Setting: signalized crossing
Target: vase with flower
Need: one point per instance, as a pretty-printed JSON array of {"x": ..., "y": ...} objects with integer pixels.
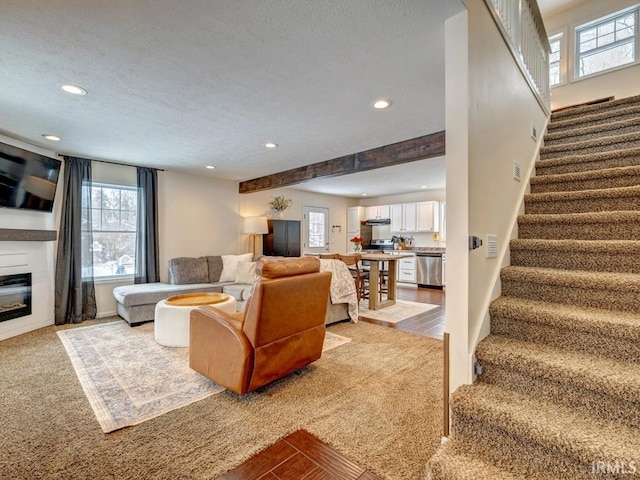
[
  {"x": 357, "y": 244},
  {"x": 279, "y": 204}
]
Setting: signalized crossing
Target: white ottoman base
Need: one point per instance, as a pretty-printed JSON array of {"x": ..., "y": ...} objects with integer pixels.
[{"x": 171, "y": 325}]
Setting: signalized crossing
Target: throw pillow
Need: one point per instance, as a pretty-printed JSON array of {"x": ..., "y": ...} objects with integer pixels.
[
  {"x": 246, "y": 272},
  {"x": 230, "y": 266},
  {"x": 185, "y": 270}
]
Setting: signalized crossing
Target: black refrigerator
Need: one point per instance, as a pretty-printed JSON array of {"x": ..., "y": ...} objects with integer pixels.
[{"x": 283, "y": 239}]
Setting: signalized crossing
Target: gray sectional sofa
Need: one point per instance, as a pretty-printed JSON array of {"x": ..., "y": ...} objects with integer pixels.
[{"x": 137, "y": 303}]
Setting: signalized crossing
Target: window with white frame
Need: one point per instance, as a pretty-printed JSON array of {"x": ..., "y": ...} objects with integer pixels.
[
  {"x": 555, "y": 59},
  {"x": 607, "y": 43},
  {"x": 113, "y": 226}
]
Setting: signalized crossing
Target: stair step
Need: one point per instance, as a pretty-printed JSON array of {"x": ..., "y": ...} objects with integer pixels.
[
  {"x": 589, "y": 384},
  {"x": 515, "y": 428},
  {"x": 589, "y": 180},
  {"x": 447, "y": 464},
  {"x": 604, "y": 107},
  {"x": 588, "y": 162},
  {"x": 606, "y": 333},
  {"x": 597, "y": 118},
  {"x": 612, "y": 291},
  {"x": 581, "y": 226},
  {"x": 604, "y": 144},
  {"x": 583, "y": 201},
  {"x": 593, "y": 132},
  {"x": 621, "y": 256}
]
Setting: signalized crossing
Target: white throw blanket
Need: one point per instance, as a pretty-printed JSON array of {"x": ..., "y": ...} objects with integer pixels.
[{"x": 343, "y": 288}]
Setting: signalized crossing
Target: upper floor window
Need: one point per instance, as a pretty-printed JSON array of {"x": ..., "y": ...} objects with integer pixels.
[
  {"x": 606, "y": 43},
  {"x": 113, "y": 225},
  {"x": 555, "y": 58}
]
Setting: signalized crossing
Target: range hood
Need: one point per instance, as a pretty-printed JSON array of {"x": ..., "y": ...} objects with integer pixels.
[{"x": 378, "y": 221}]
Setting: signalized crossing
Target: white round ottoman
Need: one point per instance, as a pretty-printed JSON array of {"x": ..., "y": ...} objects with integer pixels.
[{"x": 171, "y": 325}]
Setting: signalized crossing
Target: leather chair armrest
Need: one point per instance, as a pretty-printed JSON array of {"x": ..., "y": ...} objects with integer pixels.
[{"x": 219, "y": 349}]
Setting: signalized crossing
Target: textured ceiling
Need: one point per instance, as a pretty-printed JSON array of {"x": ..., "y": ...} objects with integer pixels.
[{"x": 181, "y": 85}]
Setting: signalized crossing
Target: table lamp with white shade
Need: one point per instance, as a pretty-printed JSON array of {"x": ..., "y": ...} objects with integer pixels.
[{"x": 255, "y": 226}]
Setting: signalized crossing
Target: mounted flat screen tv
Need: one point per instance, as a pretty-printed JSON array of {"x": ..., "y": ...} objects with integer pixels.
[{"x": 27, "y": 180}]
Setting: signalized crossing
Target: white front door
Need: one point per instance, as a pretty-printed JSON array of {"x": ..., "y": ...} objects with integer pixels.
[{"x": 316, "y": 230}]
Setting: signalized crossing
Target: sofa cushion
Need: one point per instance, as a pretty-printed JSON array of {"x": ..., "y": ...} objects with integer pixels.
[
  {"x": 239, "y": 291},
  {"x": 152, "y": 293},
  {"x": 186, "y": 270},
  {"x": 230, "y": 266},
  {"x": 246, "y": 272},
  {"x": 285, "y": 267},
  {"x": 215, "y": 268}
]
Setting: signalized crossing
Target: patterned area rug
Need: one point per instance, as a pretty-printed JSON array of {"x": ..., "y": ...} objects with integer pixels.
[
  {"x": 129, "y": 378},
  {"x": 395, "y": 313}
]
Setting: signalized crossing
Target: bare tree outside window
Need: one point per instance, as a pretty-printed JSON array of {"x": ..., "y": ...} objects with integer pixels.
[
  {"x": 114, "y": 210},
  {"x": 316, "y": 230},
  {"x": 555, "y": 57},
  {"x": 607, "y": 44}
]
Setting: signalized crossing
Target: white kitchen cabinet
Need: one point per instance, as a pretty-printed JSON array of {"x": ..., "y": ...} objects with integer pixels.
[
  {"x": 428, "y": 216},
  {"x": 378, "y": 211},
  {"x": 407, "y": 269},
  {"x": 403, "y": 218},
  {"x": 354, "y": 216}
]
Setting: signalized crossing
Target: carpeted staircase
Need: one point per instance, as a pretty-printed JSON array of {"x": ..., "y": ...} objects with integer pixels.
[{"x": 560, "y": 394}]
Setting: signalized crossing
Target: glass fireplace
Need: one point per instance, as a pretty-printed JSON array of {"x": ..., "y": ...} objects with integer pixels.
[{"x": 15, "y": 296}]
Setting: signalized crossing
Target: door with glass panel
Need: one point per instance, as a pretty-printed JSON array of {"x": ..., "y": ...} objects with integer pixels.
[{"x": 316, "y": 230}]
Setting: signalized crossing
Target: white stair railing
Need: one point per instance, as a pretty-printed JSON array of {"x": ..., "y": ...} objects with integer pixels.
[{"x": 521, "y": 26}]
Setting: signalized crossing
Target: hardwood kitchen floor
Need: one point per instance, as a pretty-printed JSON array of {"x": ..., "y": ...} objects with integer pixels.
[{"x": 428, "y": 324}]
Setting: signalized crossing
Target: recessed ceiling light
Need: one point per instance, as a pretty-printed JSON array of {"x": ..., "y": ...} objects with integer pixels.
[
  {"x": 271, "y": 145},
  {"x": 423, "y": 186},
  {"x": 381, "y": 103},
  {"x": 210, "y": 167},
  {"x": 365, "y": 194},
  {"x": 73, "y": 89},
  {"x": 53, "y": 138}
]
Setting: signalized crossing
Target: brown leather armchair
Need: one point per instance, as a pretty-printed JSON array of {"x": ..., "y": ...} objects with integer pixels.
[{"x": 281, "y": 329}]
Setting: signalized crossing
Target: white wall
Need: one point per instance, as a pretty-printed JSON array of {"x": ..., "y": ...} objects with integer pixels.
[
  {"x": 198, "y": 216},
  {"x": 500, "y": 109},
  {"x": 255, "y": 204},
  {"x": 457, "y": 148},
  {"x": 618, "y": 83},
  {"x": 40, "y": 256}
]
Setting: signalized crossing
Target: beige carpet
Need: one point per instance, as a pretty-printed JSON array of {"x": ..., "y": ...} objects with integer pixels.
[
  {"x": 129, "y": 378},
  {"x": 395, "y": 313},
  {"x": 559, "y": 396},
  {"x": 376, "y": 399}
]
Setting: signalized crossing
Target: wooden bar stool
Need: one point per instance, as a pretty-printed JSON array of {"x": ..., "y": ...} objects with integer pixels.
[{"x": 360, "y": 277}]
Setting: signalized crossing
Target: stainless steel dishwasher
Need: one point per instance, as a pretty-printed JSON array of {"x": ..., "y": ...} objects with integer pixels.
[{"x": 429, "y": 269}]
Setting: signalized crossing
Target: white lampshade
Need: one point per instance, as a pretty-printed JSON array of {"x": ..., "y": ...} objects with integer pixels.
[{"x": 256, "y": 225}]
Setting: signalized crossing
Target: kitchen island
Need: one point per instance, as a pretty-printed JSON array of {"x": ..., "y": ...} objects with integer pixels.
[{"x": 375, "y": 260}]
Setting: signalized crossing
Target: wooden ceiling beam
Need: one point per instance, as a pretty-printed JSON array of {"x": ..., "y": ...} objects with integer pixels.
[{"x": 420, "y": 148}]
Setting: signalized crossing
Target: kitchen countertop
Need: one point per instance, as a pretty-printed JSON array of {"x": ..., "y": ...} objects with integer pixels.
[{"x": 420, "y": 249}]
